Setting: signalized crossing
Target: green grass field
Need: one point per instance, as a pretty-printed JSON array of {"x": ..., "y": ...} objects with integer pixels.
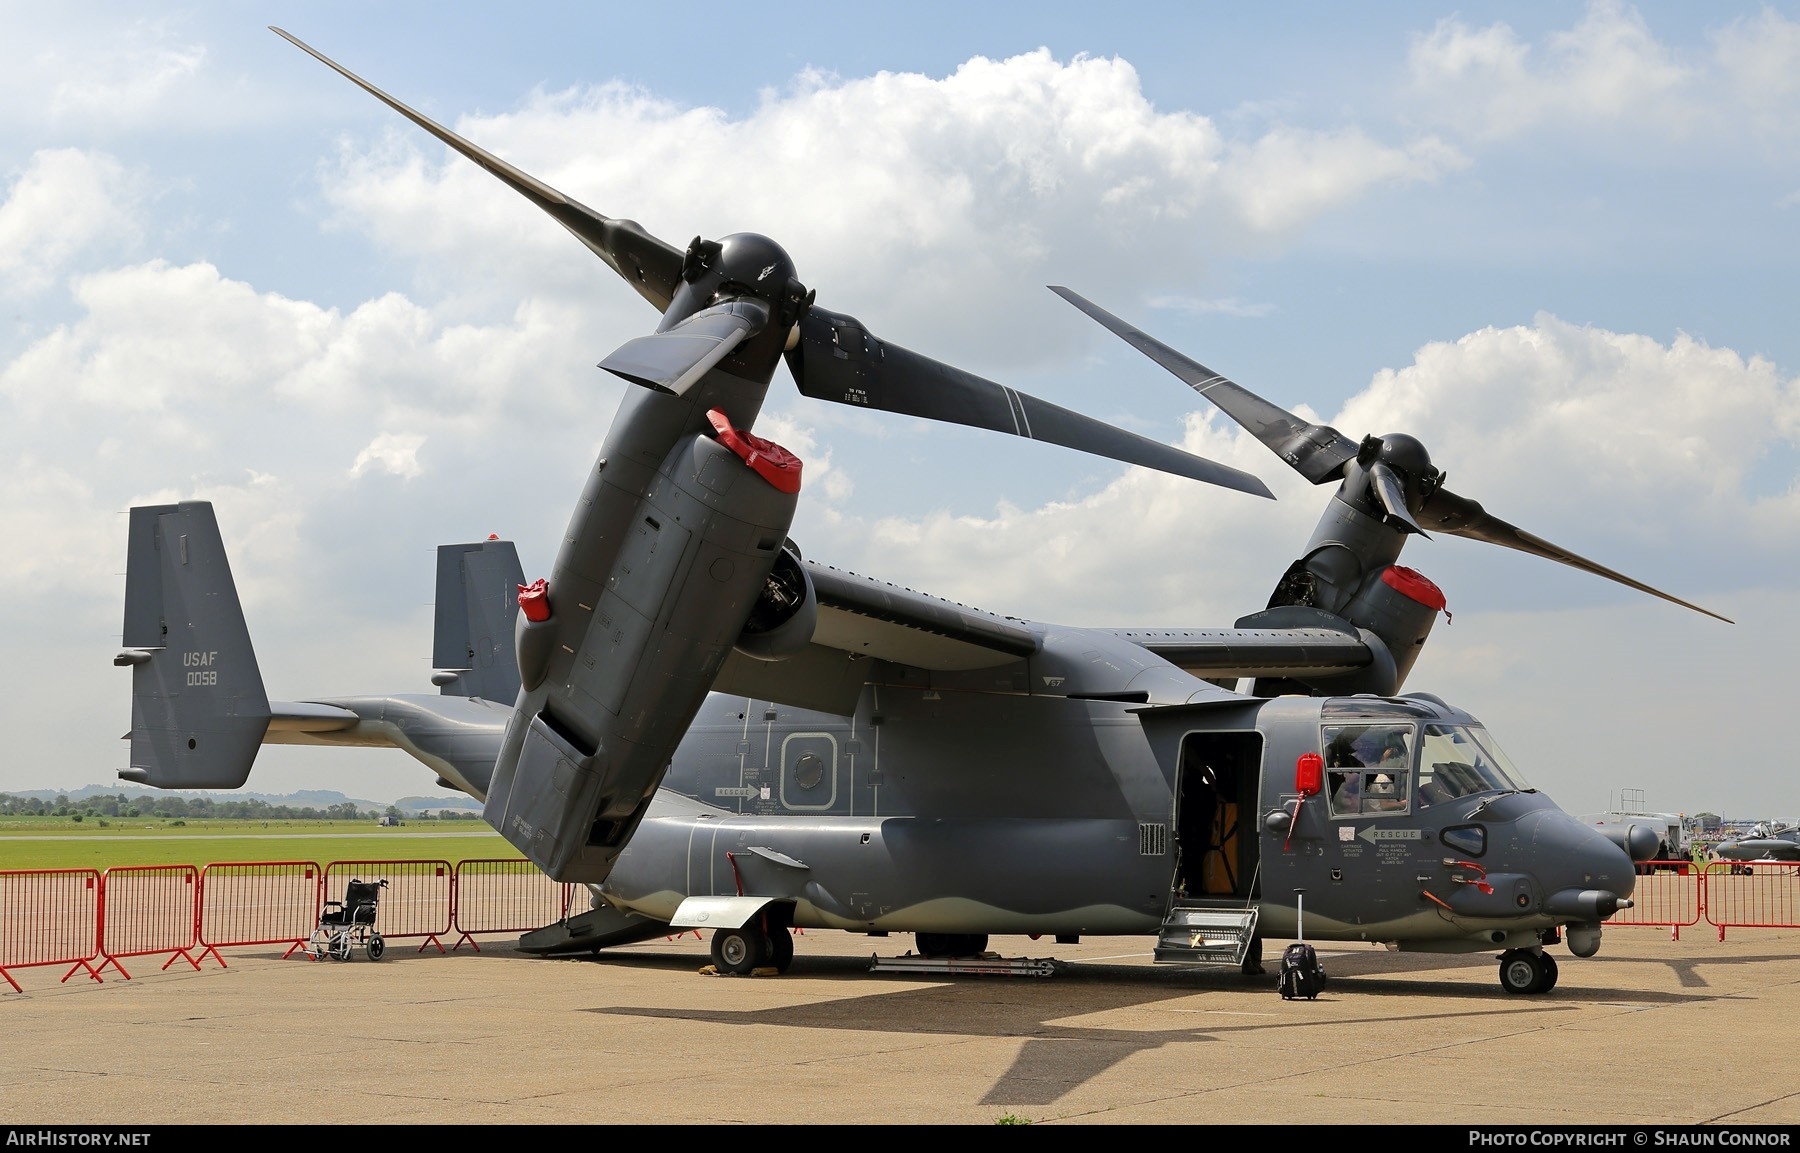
[{"x": 59, "y": 843}]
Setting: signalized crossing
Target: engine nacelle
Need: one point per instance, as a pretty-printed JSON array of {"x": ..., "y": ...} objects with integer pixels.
[
  {"x": 1399, "y": 606},
  {"x": 782, "y": 621}
]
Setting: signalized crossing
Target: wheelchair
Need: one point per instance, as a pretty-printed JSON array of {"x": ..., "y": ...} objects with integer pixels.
[{"x": 345, "y": 924}]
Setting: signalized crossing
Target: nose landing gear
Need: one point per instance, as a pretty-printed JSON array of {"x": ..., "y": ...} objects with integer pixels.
[{"x": 1527, "y": 971}]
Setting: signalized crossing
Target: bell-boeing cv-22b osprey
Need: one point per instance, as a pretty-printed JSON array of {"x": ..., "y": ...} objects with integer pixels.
[{"x": 706, "y": 729}]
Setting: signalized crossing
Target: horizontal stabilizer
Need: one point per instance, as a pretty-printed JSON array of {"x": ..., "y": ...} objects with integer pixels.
[{"x": 198, "y": 708}]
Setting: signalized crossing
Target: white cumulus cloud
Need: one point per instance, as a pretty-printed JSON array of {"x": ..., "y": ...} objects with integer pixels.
[
  {"x": 65, "y": 202},
  {"x": 898, "y": 190},
  {"x": 394, "y": 453}
]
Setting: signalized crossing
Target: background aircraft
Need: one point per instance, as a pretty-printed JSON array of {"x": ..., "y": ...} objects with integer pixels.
[
  {"x": 923, "y": 766},
  {"x": 1762, "y": 844}
]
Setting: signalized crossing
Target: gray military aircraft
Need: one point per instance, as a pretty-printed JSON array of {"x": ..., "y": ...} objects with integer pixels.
[
  {"x": 708, "y": 730},
  {"x": 1781, "y": 843}
]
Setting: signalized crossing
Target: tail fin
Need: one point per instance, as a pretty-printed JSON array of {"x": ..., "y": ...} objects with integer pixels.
[
  {"x": 477, "y": 602},
  {"x": 198, "y": 708}
]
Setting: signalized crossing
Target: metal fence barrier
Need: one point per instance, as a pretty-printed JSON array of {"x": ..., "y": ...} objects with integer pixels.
[
  {"x": 149, "y": 910},
  {"x": 1672, "y": 897},
  {"x": 417, "y": 902},
  {"x": 258, "y": 903},
  {"x": 1752, "y": 894},
  {"x": 505, "y": 896},
  {"x": 49, "y": 917}
]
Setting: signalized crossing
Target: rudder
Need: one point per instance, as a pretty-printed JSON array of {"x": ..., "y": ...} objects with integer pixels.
[
  {"x": 198, "y": 707},
  {"x": 477, "y": 601}
]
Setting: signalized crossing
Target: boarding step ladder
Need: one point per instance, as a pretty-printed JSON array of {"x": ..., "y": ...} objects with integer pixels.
[{"x": 1206, "y": 935}]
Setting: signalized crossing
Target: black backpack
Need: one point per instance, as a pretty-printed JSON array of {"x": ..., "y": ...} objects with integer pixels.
[{"x": 1301, "y": 973}]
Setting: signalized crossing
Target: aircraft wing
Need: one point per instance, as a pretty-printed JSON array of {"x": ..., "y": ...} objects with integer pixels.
[
  {"x": 871, "y": 617},
  {"x": 864, "y": 618},
  {"x": 1216, "y": 653},
  {"x": 861, "y": 618}
]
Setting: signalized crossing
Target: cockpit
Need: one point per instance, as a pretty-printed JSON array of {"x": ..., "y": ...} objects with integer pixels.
[{"x": 1374, "y": 767}]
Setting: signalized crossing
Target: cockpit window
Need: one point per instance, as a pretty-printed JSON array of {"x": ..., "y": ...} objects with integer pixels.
[
  {"x": 1368, "y": 767},
  {"x": 1461, "y": 761},
  {"x": 1469, "y": 840}
]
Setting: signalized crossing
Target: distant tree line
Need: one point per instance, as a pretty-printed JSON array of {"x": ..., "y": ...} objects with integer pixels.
[{"x": 224, "y": 808}]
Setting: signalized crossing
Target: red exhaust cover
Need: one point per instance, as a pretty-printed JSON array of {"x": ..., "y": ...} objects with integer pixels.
[{"x": 534, "y": 599}]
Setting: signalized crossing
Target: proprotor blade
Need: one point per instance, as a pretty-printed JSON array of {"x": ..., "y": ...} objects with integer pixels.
[
  {"x": 1320, "y": 453},
  {"x": 1317, "y": 452},
  {"x": 1460, "y": 516},
  {"x": 649, "y": 265},
  {"x": 836, "y": 359},
  {"x": 1392, "y": 495}
]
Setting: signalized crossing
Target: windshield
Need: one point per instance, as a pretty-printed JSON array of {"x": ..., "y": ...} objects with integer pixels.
[{"x": 1462, "y": 760}]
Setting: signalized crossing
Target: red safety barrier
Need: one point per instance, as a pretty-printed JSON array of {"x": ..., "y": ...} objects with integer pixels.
[
  {"x": 1752, "y": 894},
  {"x": 416, "y": 902},
  {"x": 259, "y": 903},
  {"x": 148, "y": 910},
  {"x": 49, "y": 917},
  {"x": 505, "y": 896},
  {"x": 1669, "y": 898}
]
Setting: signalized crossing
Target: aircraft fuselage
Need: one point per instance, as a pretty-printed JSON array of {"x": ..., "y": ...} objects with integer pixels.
[{"x": 981, "y": 803}]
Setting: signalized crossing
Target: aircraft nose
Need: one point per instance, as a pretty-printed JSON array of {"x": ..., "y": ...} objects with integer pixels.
[{"x": 1584, "y": 872}]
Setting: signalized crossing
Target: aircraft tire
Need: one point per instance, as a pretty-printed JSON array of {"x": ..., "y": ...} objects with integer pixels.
[
  {"x": 781, "y": 949},
  {"x": 951, "y": 944},
  {"x": 1522, "y": 971},
  {"x": 1549, "y": 981},
  {"x": 739, "y": 952}
]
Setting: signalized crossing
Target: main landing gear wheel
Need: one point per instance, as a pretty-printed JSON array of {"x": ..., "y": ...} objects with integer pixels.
[
  {"x": 739, "y": 951},
  {"x": 1527, "y": 971},
  {"x": 376, "y": 948},
  {"x": 952, "y": 944},
  {"x": 781, "y": 949}
]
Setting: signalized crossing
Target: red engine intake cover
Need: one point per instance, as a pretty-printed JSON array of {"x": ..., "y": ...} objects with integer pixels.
[{"x": 773, "y": 463}]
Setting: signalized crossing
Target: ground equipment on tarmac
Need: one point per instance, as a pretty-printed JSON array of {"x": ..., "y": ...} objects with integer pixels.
[{"x": 345, "y": 924}]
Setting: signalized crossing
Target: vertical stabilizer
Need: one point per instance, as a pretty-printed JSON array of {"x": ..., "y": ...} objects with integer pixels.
[
  {"x": 477, "y": 601},
  {"x": 198, "y": 709}
]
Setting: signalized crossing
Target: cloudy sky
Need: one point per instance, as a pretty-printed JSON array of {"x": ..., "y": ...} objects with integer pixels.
[{"x": 1558, "y": 244}]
